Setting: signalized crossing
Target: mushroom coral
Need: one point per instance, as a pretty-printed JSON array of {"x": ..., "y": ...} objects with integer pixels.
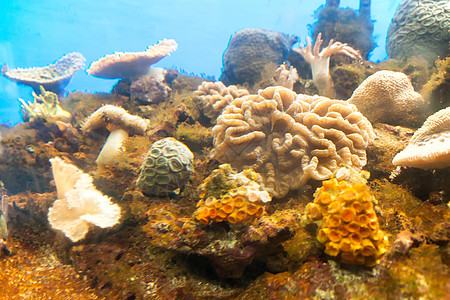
[
  {"x": 78, "y": 202},
  {"x": 120, "y": 123}
]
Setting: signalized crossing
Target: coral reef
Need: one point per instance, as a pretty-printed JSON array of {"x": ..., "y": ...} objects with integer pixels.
[
  {"x": 290, "y": 138},
  {"x": 45, "y": 106},
  {"x": 320, "y": 62},
  {"x": 79, "y": 203},
  {"x": 54, "y": 77},
  {"x": 250, "y": 51},
  {"x": 429, "y": 147},
  {"x": 388, "y": 97},
  {"x": 215, "y": 96},
  {"x": 231, "y": 197},
  {"x": 131, "y": 64},
  {"x": 166, "y": 168},
  {"x": 419, "y": 28},
  {"x": 348, "y": 223}
]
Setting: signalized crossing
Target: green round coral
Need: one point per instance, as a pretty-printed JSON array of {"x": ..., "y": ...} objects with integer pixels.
[
  {"x": 167, "y": 167},
  {"x": 420, "y": 28}
]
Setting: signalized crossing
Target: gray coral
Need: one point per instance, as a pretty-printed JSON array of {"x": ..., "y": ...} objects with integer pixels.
[{"x": 420, "y": 28}]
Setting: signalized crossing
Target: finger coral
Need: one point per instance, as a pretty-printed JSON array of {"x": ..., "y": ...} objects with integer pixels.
[
  {"x": 130, "y": 64},
  {"x": 54, "y": 77},
  {"x": 167, "y": 166},
  {"x": 348, "y": 224},
  {"x": 429, "y": 147},
  {"x": 45, "y": 106},
  {"x": 388, "y": 97},
  {"x": 290, "y": 138},
  {"x": 79, "y": 202},
  {"x": 231, "y": 197},
  {"x": 215, "y": 96}
]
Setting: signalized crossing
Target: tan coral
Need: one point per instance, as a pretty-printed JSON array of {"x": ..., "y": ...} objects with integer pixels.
[
  {"x": 54, "y": 77},
  {"x": 120, "y": 123},
  {"x": 129, "y": 64},
  {"x": 286, "y": 77},
  {"x": 290, "y": 138},
  {"x": 215, "y": 96},
  {"x": 429, "y": 148},
  {"x": 388, "y": 97}
]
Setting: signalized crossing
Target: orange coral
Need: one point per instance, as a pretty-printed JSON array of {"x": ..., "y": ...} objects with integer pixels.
[
  {"x": 348, "y": 223},
  {"x": 231, "y": 208}
]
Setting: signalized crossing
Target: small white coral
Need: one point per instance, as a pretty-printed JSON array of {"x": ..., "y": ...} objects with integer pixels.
[{"x": 79, "y": 202}]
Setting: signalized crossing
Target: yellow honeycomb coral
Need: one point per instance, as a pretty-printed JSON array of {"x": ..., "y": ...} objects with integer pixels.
[
  {"x": 236, "y": 198},
  {"x": 348, "y": 225}
]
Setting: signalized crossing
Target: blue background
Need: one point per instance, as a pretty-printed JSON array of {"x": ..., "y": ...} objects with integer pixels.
[{"x": 36, "y": 33}]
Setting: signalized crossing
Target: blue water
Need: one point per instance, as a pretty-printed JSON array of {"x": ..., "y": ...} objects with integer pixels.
[{"x": 36, "y": 33}]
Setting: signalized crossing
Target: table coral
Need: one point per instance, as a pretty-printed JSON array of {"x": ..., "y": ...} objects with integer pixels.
[
  {"x": 167, "y": 167},
  {"x": 388, "y": 97},
  {"x": 54, "y": 77},
  {"x": 290, "y": 138},
  {"x": 429, "y": 148},
  {"x": 348, "y": 223},
  {"x": 45, "y": 106}
]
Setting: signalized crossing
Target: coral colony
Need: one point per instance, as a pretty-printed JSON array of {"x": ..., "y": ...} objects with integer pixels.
[{"x": 252, "y": 187}]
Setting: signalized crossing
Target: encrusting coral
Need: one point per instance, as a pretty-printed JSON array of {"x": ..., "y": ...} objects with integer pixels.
[
  {"x": 45, "y": 106},
  {"x": 320, "y": 62},
  {"x": 130, "y": 64},
  {"x": 166, "y": 168},
  {"x": 120, "y": 124},
  {"x": 388, "y": 97},
  {"x": 290, "y": 138},
  {"x": 215, "y": 96},
  {"x": 78, "y": 202},
  {"x": 429, "y": 147},
  {"x": 236, "y": 198},
  {"x": 348, "y": 224},
  {"x": 54, "y": 77}
]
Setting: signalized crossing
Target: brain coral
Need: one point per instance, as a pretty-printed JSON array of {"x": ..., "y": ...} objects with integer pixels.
[
  {"x": 349, "y": 225},
  {"x": 167, "y": 167},
  {"x": 420, "y": 27},
  {"x": 388, "y": 97},
  {"x": 215, "y": 96},
  {"x": 290, "y": 138}
]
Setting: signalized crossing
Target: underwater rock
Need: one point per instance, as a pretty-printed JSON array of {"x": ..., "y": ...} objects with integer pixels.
[
  {"x": 437, "y": 89},
  {"x": 419, "y": 28},
  {"x": 54, "y": 77},
  {"x": 388, "y": 97},
  {"x": 290, "y": 138},
  {"x": 229, "y": 250},
  {"x": 151, "y": 88},
  {"x": 131, "y": 64},
  {"x": 429, "y": 147},
  {"x": 248, "y": 53},
  {"x": 166, "y": 168}
]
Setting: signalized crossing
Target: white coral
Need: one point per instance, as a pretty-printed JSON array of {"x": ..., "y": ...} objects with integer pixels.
[{"x": 79, "y": 202}]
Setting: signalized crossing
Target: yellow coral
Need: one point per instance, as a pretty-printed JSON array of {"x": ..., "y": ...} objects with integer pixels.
[{"x": 348, "y": 223}]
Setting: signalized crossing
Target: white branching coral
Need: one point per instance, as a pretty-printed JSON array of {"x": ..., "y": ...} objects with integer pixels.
[
  {"x": 320, "y": 61},
  {"x": 120, "y": 123},
  {"x": 78, "y": 202}
]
